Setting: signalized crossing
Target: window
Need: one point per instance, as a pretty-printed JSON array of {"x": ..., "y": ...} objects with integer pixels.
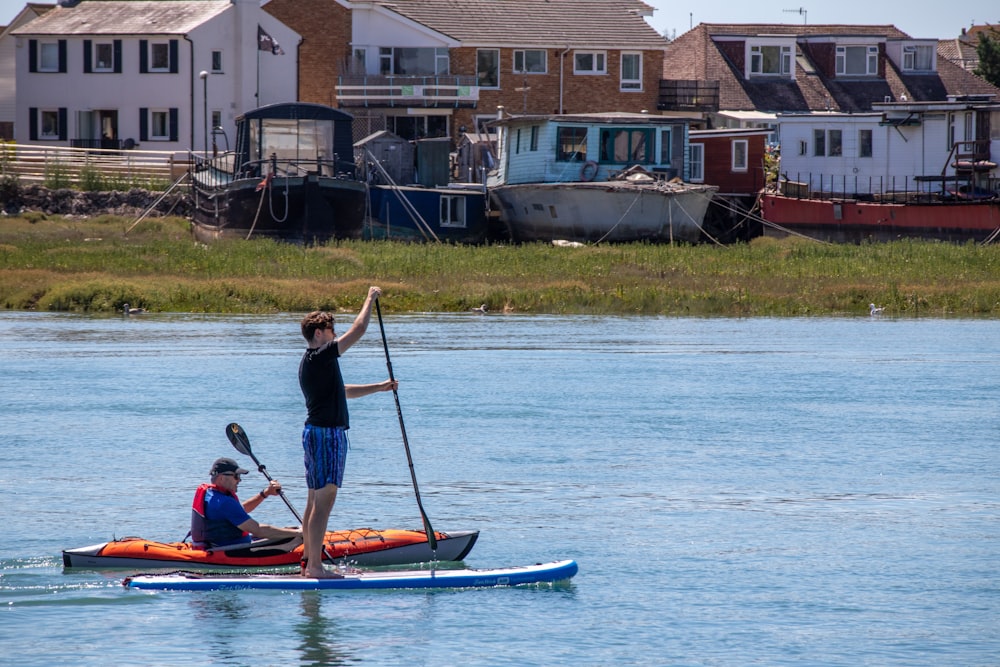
[
  {"x": 360, "y": 62},
  {"x": 819, "y": 142},
  {"x": 627, "y": 146},
  {"x": 159, "y": 57},
  {"x": 803, "y": 147},
  {"x": 864, "y": 143},
  {"x": 217, "y": 61},
  {"x": 48, "y": 57},
  {"x": 666, "y": 146},
  {"x": 772, "y": 60},
  {"x": 697, "y": 154},
  {"x": 571, "y": 144},
  {"x": 104, "y": 57},
  {"x": 835, "y": 143},
  {"x": 740, "y": 148},
  {"x": 397, "y": 61},
  {"x": 517, "y": 141},
  {"x": 589, "y": 62},
  {"x": 156, "y": 57},
  {"x": 631, "y": 71},
  {"x": 488, "y": 68},
  {"x": 857, "y": 60},
  {"x": 216, "y": 119},
  {"x": 534, "y": 137},
  {"x": 49, "y": 123},
  {"x": 159, "y": 125},
  {"x": 918, "y": 58},
  {"x": 530, "y": 62},
  {"x": 452, "y": 211}
]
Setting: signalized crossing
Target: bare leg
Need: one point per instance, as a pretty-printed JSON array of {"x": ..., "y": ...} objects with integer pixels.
[{"x": 319, "y": 504}]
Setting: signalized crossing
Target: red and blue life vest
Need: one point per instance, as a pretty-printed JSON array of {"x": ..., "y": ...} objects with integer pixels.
[{"x": 206, "y": 531}]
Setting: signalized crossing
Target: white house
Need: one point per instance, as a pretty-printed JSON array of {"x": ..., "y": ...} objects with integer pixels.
[
  {"x": 899, "y": 145},
  {"x": 163, "y": 75},
  {"x": 8, "y": 87}
]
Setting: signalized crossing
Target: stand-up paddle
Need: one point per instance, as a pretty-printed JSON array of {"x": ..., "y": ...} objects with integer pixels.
[
  {"x": 241, "y": 442},
  {"x": 431, "y": 539}
]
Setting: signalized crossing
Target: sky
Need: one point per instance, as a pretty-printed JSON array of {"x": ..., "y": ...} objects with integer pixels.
[{"x": 918, "y": 18}]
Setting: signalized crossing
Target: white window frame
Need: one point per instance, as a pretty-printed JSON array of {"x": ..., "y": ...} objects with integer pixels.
[
  {"x": 442, "y": 61},
  {"x": 155, "y": 114},
  {"x": 598, "y": 62},
  {"x": 453, "y": 204},
  {"x": 95, "y": 48},
  {"x": 756, "y": 59},
  {"x": 910, "y": 57},
  {"x": 862, "y": 142},
  {"x": 740, "y": 149},
  {"x": 154, "y": 49},
  {"x": 633, "y": 85},
  {"x": 871, "y": 60},
  {"x": 48, "y": 56},
  {"x": 696, "y": 162},
  {"x": 42, "y": 134},
  {"x": 524, "y": 65}
]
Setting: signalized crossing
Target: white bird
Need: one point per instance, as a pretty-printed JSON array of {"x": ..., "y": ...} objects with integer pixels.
[
  {"x": 132, "y": 311},
  {"x": 874, "y": 310},
  {"x": 481, "y": 309}
]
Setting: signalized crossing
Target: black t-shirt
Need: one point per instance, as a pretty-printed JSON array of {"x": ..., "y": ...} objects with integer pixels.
[{"x": 323, "y": 386}]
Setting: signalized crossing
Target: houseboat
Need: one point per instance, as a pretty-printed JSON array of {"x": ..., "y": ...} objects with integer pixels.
[
  {"x": 291, "y": 177},
  {"x": 921, "y": 170},
  {"x": 597, "y": 177},
  {"x": 411, "y": 196}
]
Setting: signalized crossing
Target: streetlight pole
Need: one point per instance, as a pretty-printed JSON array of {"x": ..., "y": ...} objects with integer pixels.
[{"x": 204, "y": 97}]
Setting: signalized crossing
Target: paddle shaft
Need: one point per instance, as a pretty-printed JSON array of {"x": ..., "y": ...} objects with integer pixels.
[
  {"x": 263, "y": 471},
  {"x": 431, "y": 538}
]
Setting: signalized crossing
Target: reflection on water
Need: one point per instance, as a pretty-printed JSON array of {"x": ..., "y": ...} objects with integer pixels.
[{"x": 320, "y": 643}]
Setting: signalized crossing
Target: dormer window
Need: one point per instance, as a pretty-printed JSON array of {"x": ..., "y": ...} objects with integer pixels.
[
  {"x": 773, "y": 60},
  {"x": 857, "y": 60},
  {"x": 918, "y": 58}
]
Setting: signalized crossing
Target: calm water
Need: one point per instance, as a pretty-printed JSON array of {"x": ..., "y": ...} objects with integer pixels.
[{"x": 736, "y": 492}]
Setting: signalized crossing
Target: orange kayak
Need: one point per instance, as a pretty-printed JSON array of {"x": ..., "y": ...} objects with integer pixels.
[{"x": 362, "y": 546}]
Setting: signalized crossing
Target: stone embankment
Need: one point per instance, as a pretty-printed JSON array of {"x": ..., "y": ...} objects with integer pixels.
[{"x": 134, "y": 202}]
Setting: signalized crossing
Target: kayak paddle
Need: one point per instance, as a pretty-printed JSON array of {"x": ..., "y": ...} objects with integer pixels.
[
  {"x": 431, "y": 538},
  {"x": 241, "y": 441}
]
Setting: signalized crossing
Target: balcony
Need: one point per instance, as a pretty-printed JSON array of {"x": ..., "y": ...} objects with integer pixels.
[
  {"x": 688, "y": 95},
  {"x": 433, "y": 92}
]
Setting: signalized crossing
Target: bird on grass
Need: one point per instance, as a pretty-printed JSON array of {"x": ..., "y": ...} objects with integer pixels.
[
  {"x": 482, "y": 310},
  {"x": 132, "y": 311},
  {"x": 874, "y": 310}
]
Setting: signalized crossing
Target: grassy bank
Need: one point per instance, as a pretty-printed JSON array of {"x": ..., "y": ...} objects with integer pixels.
[{"x": 93, "y": 265}]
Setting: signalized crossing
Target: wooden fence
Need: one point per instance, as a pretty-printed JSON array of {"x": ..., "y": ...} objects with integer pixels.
[{"x": 62, "y": 166}]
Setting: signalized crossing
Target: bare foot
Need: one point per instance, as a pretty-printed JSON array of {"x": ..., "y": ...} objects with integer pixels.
[{"x": 321, "y": 573}]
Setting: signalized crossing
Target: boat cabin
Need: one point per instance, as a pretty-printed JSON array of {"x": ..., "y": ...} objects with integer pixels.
[{"x": 589, "y": 147}]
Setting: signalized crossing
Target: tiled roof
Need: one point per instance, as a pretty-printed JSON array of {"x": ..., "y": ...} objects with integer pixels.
[
  {"x": 602, "y": 24},
  {"x": 125, "y": 17},
  {"x": 695, "y": 56}
]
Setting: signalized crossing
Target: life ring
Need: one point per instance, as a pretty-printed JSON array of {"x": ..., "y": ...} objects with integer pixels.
[{"x": 588, "y": 171}]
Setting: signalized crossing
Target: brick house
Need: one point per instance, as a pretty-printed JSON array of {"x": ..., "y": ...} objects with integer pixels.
[
  {"x": 744, "y": 75},
  {"x": 425, "y": 68}
]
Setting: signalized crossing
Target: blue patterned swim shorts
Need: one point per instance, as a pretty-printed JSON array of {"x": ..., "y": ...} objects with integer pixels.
[{"x": 325, "y": 455}]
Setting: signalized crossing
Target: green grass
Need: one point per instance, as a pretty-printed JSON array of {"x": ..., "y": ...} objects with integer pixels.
[{"x": 59, "y": 264}]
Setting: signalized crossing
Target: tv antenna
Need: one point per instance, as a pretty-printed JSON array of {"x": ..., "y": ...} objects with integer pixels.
[{"x": 801, "y": 10}]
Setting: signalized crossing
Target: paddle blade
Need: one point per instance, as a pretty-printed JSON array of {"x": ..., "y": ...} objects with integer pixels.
[{"x": 239, "y": 438}]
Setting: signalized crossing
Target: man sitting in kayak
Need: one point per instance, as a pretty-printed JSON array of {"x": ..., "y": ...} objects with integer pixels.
[{"x": 219, "y": 519}]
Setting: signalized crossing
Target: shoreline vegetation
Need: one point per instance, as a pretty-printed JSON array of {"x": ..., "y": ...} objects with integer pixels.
[{"x": 95, "y": 265}]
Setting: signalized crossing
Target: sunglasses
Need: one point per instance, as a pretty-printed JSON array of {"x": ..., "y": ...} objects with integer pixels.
[{"x": 232, "y": 474}]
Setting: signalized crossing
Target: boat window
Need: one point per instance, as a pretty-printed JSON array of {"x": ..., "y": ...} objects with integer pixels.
[
  {"x": 571, "y": 144},
  {"x": 864, "y": 143},
  {"x": 452, "y": 211},
  {"x": 301, "y": 144},
  {"x": 627, "y": 146}
]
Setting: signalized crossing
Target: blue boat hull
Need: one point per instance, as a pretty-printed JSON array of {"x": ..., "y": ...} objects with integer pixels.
[{"x": 412, "y": 213}]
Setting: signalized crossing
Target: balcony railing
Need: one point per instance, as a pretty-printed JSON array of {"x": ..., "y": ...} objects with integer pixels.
[
  {"x": 361, "y": 90},
  {"x": 688, "y": 95}
]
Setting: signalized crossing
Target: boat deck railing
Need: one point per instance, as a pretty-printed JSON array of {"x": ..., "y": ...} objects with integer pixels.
[
  {"x": 881, "y": 189},
  {"x": 221, "y": 169}
]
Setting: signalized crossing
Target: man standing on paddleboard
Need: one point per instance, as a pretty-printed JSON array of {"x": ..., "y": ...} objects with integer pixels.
[{"x": 324, "y": 438}]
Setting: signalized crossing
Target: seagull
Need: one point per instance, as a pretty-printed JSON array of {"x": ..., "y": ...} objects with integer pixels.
[
  {"x": 874, "y": 310},
  {"x": 132, "y": 311},
  {"x": 482, "y": 310}
]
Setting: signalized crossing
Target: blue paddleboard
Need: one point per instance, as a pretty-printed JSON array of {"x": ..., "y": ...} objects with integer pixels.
[{"x": 469, "y": 578}]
